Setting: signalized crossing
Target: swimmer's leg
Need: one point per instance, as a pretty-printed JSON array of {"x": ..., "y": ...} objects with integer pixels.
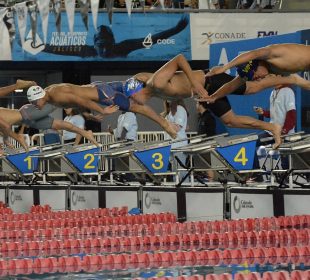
[
  {"x": 148, "y": 112},
  {"x": 232, "y": 120},
  {"x": 62, "y": 125}
]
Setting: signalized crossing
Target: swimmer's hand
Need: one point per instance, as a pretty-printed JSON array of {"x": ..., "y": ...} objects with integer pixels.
[
  {"x": 216, "y": 70},
  {"x": 110, "y": 109},
  {"x": 198, "y": 89},
  {"x": 299, "y": 81},
  {"x": 92, "y": 117},
  {"x": 20, "y": 84},
  {"x": 208, "y": 99}
]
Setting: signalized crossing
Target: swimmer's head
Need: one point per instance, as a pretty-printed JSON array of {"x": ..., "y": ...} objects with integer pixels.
[
  {"x": 132, "y": 86},
  {"x": 247, "y": 70},
  {"x": 35, "y": 94},
  {"x": 253, "y": 70}
]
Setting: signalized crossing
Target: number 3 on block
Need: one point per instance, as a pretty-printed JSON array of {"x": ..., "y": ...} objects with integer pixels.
[
  {"x": 158, "y": 159},
  {"x": 241, "y": 156}
]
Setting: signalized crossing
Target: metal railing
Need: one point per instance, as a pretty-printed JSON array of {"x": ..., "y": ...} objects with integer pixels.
[{"x": 105, "y": 138}]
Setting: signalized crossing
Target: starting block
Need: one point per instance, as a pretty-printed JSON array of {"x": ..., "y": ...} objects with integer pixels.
[
  {"x": 151, "y": 158},
  {"x": 233, "y": 154},
  {"x": 18, "y": 164},
  {"x": 298, "y": 152},
  {"x": 74, "y": 162}
]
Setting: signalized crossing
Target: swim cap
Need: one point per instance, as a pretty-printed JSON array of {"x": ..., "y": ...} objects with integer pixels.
[
  {"x": 35, "y": 93},
  {"x": 246, "y": 70},
  {"x": 132, "y": 86}
]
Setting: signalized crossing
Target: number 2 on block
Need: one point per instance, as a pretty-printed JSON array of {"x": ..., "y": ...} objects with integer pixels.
[{"x": 91, "y": 158}]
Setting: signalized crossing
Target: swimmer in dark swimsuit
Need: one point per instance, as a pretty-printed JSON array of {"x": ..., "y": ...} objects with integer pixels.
[
  {"x": 269, "y": 66},
  {"x": 106, "y": 47}
]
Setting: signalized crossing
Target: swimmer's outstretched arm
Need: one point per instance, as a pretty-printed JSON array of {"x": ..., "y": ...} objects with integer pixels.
[
  {"x": 224, "y": 90},
  {"x": 261, "y": 54},
  {"x": 273, "y": 81},
  {"x": 301, "y": 82},
  {"x": 20, "y": 84}
]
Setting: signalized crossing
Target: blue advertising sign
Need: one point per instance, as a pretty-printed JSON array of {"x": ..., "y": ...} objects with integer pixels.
[
  {"x": 23, "y": 162},
  {"x": 84, "y": 161},
  {"x": 128, "y": 39},
  {"x": 155, "y": 160},
  {"x": 239, "y": 156}
]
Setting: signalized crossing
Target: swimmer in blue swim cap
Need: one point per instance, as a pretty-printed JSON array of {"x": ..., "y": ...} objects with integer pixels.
[{"x": 247, "y": 70}]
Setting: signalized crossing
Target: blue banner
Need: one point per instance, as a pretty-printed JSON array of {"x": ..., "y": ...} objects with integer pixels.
[
  {"x": 239, "y": 156},
  {"x": 155, "y": 160},
  {"x": 84, "y": 161},
  {"x": 24, "y": 163},
  {"x": 141, "y": 37}
]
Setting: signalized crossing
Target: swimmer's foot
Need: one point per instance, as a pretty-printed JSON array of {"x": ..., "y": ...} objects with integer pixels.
[
  {"x": 170, "y": 129},
  {"x": 277, "y": 136},
  {"x": 21, "y": 140},
  {"x": 90, "y": 136}
]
